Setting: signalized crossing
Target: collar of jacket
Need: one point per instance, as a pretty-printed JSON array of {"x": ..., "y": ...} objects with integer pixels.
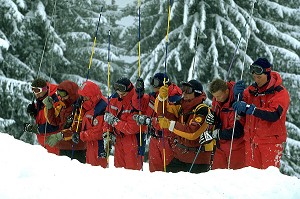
[{"x": 189, "y": 105}]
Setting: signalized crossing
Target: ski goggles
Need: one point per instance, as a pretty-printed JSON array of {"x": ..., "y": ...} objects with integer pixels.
[
  {"x": 186, "y": 88},
  {"x": 62, "y": 93},
  {"x": 155, "y": 82},
  {"x": 258, "y": 70},
  {"x": 120, "y": 87},
  {"x": 38, "y": 90}
]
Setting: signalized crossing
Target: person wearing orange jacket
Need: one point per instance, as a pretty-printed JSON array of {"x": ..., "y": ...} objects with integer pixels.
[
  {"x": 42, "y": 128},
  {"x": 159, "y": 140},
  {"x": 119, "y": 120},
  {"x": 67, "y": 115},
  {"x": 94, "y": 105},
  {"x": 264, "y": 104},
  {"x": 224, "y": 119},
  {"x": 190, "y": 132}
]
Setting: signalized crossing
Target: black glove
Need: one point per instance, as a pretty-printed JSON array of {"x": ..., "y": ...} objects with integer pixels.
[
  {"x": 205, "y": 138},
  {"x": 78, "y": 102},
  {"x": 75, "y": 137},
  {"x": 31, "y": 128},
  {"x": 142, "y": 119},
  {"x": 69, "y": 121},
  {"x": 139, "y": 87},
  {"x": 31, "y": 110},
  {"x": 210, "y": 118}
]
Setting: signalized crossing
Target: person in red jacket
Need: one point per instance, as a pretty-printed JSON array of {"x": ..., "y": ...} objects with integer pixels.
[
  {"x": 264, "y": 104},
  {"x": 42, "y": 128},
  {"x": 67, "y": 115},
  {"x": 119, "y": 120},
  {"x": 224, "y": 118},
  {"x": 94, "y": 105},
  {"x": 159, "y": 145},
  {"x": 186, "y": 121}
]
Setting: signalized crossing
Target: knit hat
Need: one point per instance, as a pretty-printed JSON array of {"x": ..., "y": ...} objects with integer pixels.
[
  {"x": 123, "y": 85},
  {"x": 39, "y": 83},
  {"x": 160, "y": 77},
  {"x": 195, "y": 85},
  {"x": 265, "y": 64}
]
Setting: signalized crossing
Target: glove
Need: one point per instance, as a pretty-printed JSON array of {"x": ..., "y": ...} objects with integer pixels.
[
  {"x": 76, "y": 137},
  {"x": 205, "y": 138},
  {"x": 110, "y": 119},
  {"x": 243, "y": 107},
  {"x": 239, "y": 88},
  {"x": 163, "y": 93},
  {"x": 69, "y": 121},
  {"x": 31, "y": 128},
  {"x": 48, "y": 101},
  {"x": 139, "y": 87},
  {"x": 250, "y": 109},
  {"x": 239, "y": 107},
  {"x": 112, "y": 138},
  {"x": 164, "y": 123},
  {"x": 31, "y": 110},
  {"x": 210, "y": 118},
  {"x": 215, "y": 134},
  {"x": 142, "y": 119},
  {"x": 53, "y": 139}
]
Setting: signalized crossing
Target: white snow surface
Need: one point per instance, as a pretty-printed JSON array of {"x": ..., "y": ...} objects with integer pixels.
[{"x": 29, "y": 172}]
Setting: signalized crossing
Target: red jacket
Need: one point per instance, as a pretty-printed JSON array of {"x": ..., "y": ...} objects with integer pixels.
[
  {"x": 127, "y": 132},
  {"x": 40, "y": 119},
  {"x": 188, "y": 127},
  {"x": 146, "y": 105},
  {"x": 123, "y": 109},
  {"x": 65, "y": 109},
  {"x": 270, "y": 100},
  {"x": 44, "y": 128},
  {"x": 92, "y": 123},
  {"x": 225, "y": 113}
]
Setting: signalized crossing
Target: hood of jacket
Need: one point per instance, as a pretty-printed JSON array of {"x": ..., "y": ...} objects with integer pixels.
[{"x": 72, "y": 90}]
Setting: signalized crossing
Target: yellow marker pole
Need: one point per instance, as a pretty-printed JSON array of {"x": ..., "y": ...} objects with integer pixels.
[{"x": 163, "y": 108}]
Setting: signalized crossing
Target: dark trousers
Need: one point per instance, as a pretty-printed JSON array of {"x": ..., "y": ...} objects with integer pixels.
[
  {"x": 74, "y": 154},
  {"x": 177, "y": 166}
]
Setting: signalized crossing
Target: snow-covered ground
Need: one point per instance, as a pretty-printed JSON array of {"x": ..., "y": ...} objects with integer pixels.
[{"x": 29, "y": 172}]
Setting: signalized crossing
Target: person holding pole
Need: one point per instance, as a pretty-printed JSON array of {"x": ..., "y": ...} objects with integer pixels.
[
  {"x": 190, "y": 140},
  {"x": 264, "y": 105},
  {"x": 119, "y": 120},
  {"x": 159, "y": 140},
  {"x": 225, "y": 121}
]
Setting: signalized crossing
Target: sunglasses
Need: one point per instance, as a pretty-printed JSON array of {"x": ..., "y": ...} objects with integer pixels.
[
  {"x": 120, "y": 87},
  {"x": 187, "y": 89},
  {"x": 38, "y": 90},
  {"x": 62, "y": 93},
  {"x": 258, "y": 70}
]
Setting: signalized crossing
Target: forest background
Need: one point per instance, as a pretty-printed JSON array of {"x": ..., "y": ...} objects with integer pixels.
[{"x": 54, "y": 39}]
